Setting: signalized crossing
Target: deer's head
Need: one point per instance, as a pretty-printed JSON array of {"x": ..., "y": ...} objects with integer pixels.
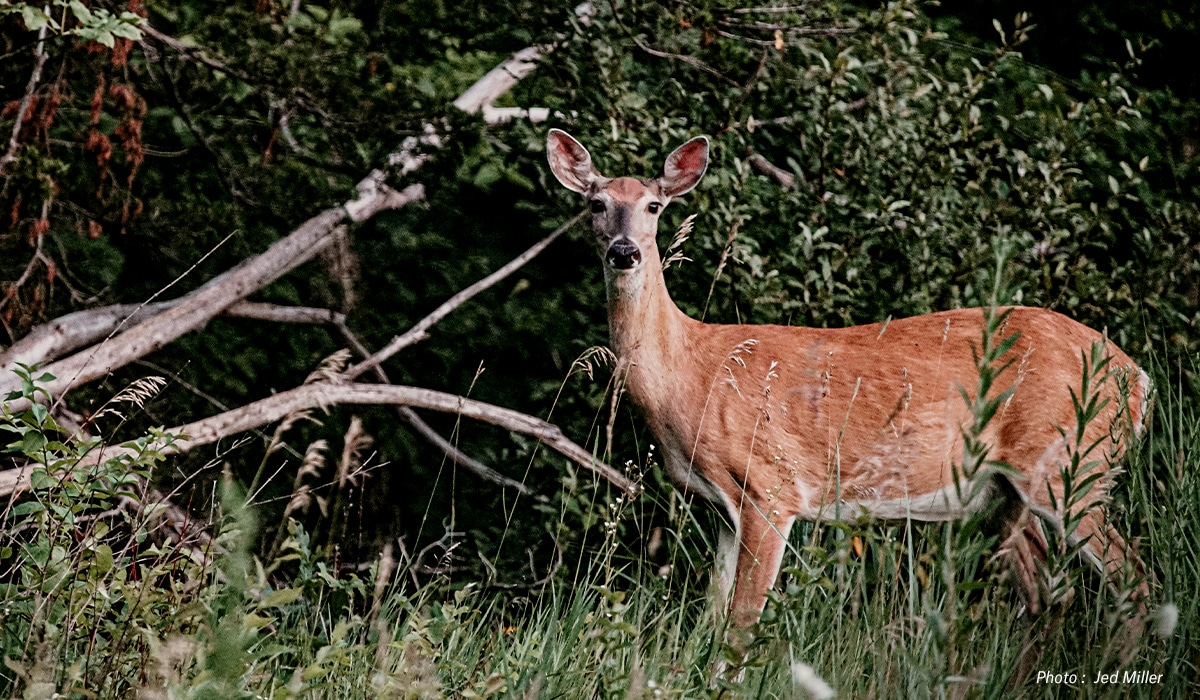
[{"x": 625, "y": 209}]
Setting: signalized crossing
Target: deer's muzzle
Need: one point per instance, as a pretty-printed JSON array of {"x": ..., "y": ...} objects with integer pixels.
[{"x": 623, "y": 254}]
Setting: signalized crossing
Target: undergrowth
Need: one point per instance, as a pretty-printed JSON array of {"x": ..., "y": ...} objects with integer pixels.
[{"x": 95, "y": 601}]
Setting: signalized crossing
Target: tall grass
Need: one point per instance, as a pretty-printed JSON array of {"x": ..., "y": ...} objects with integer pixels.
[{"x": 93, "y": 605}]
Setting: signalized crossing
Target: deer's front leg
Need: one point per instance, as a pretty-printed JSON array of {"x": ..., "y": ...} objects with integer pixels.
[{"x": 761, "y": 543}]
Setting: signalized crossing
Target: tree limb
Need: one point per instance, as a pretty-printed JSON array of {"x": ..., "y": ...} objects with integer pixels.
[
  {"x": 84, "y": 328},
  {"x": 324, "y": 395},
  {"x": 420, "y": 332},
  {"x": 426, "y": 431},
  {"x": 785, "y": 179},
  {"x": 40, "y": 55},
  {"x": 500, "y": 79}
]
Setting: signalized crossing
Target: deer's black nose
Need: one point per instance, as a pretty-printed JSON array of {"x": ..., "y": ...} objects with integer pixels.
[{"x": 623, "y": 254}]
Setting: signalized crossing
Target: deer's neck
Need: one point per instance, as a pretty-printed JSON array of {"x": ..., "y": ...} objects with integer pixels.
[{"x": 649, "y": 333}]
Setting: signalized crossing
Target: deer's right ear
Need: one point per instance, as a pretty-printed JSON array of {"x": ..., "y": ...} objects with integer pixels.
[{"x": 570, "y": 161}]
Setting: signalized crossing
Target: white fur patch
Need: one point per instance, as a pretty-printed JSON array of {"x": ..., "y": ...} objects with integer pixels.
[{"x": 940, "y": 506}]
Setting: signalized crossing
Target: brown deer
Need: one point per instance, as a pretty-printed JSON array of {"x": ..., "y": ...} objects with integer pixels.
[{"x": 775, "y": 423}]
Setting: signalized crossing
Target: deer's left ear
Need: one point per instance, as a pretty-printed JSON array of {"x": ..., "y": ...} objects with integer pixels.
[{"x": 684, "y": 167}]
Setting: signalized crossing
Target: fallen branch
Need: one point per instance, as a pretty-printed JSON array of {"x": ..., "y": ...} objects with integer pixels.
[
  {"x": 500, "y": 79},
  {"x": 458, "y": 457},
  {"x": 83, "y": 328},
  {"x": 420, "y": 332},
  {"x": 193, "y": 312},
  {"x": 277, "y": 313},
  {"x": 324, "y": 395},
  {"x": 426, "y": 431}
]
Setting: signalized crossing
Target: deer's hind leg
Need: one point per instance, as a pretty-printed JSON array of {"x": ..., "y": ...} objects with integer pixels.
[
  {"x": 1104, "y": 547},
  {"x": 1023, "y": 547}
]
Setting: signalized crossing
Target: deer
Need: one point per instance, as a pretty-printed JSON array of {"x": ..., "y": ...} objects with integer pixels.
[{"x": 774, "y": 424}]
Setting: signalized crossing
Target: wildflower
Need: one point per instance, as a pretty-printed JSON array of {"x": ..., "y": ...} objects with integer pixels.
[{"x": 807, "y": 680}]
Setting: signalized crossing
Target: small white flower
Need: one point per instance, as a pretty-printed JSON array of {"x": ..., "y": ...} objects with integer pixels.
[
  {"x": 1165, "y": 620},
  {"x": 807, "y": 679}
]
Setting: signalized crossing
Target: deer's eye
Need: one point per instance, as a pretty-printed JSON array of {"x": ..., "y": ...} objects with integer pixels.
[
  {"x": 597, "y": 206},
  {"x": 653, "y": 207}
]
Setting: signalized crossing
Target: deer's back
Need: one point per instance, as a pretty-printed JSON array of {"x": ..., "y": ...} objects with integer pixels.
[{"x": 791, "y": 415}]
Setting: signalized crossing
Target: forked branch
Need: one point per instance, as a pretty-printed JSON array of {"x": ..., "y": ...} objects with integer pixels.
[{"x": 420, "y": 331}]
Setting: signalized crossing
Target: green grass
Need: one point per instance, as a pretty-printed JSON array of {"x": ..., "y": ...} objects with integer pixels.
[{"x": 882, "y": 610}]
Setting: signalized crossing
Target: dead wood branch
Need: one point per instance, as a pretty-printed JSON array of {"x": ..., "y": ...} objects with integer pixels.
[
  {"x": 426, "y": 431},
  {"x": 194, "y": 311},
  {"x": 420, "y": 332},
  {"x": 500, "y": 79},
  {"x": 35, "y": 76},
  {"x": 457, "y": 456},
  {"x": 324, "y": 395},
  {"x": 150, "y": 326},
  {"x": 83, "y": 328},
  {"x": 276, "y": 313},
  {"x": 785, "y": 179},
  {"x": 503, "y": 115}
]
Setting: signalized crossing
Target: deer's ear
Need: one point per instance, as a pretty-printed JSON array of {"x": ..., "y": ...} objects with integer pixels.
[
  {"x": 570, "y": 161},
  {"x": 684, "y": 167}
]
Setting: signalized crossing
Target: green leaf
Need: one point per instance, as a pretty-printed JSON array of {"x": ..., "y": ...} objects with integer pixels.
[
  {"x": 81, "y": 12},
  {"x": 103, "y": 557},
  {"x": 127, "y": 30},
  {"x": 32, "y": 443},
  {"x": 27, "y": 508},
  {"x": 34, "y": 18},
  {"x": 254, "y": 622},
  {"x": 41, "y": 479},
  {"x": 284, "y": 596}
]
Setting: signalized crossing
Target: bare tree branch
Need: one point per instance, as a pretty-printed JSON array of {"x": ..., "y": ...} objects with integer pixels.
[
  {"x": 323, "y": 395},
  {"x": 785, "y": 179},
  {"x": 276, "y": 313},
  {"x": 459, "y": 457},
  {"x": 83, "y": 328},
  {"x": 153, "y": 325},
  {"x": 426, "y": 431},
  {"x": 500, "y": 79},
  {"x": 40, "y": 55},
  {"x": 420, "y": 332},
  {"x": 503, "y": 115},
  {"x": 193, "y": 312}
]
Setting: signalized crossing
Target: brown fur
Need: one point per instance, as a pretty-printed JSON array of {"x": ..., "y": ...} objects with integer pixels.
[{"x": 778, "y": 423}]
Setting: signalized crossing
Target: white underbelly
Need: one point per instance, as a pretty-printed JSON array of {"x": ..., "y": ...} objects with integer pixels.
[{"x": 941, "y": 505}]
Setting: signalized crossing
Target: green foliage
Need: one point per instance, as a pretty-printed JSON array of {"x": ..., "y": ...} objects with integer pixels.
[
  {"x": 919, "y": 149},
  {"x": 894, "y": 611},
  {"x": 82, "y": 578},
  {"x": 98, "y": 25}
]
